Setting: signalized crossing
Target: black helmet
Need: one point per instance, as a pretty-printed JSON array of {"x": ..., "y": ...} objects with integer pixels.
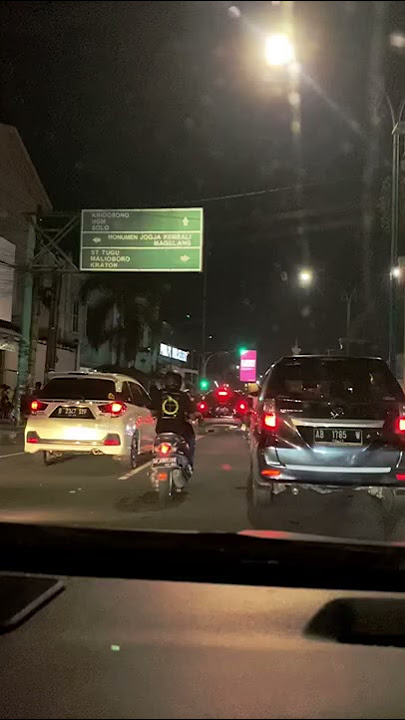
[{"x": 173, "y": 381}]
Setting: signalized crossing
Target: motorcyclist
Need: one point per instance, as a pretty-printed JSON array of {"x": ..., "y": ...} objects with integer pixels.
[{"x": 173, "y": 409}]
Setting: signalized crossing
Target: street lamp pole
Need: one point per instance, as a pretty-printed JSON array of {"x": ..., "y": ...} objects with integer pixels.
[
  {"x": 207, "y": 358},
  {"x": 348, "y": 298},
  {"x": 398, "y": 129}
]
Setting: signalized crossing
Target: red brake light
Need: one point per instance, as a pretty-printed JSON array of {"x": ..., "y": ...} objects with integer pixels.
[
  {"x": 400, "y": 476},
  {"x": 115, "y": 409},
  {"x": 222, "y": 393},
  {"x": 202, "y": 406},
  {"x": 32, "y": 438},
  {"x": 242, "y": 406},
  {"x": 401, "y": 424},
  {"x": 164, "y": 448},
  {"x": 270, "y": 420},
  {"x": 268, "y": 472},
  {"x": 112, "y": 440},
  {"x": 37, "y": 405}
]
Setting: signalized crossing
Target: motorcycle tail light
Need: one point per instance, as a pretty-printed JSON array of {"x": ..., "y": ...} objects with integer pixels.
[
  {"x": 164, "y": 448},
  {"x": 202, "y": 406}
]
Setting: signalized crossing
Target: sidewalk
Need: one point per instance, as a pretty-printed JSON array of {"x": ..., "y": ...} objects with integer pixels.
[{"x": 11, "y": 434}]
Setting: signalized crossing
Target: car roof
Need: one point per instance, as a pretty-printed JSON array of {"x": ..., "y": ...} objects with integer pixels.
[
  {"x": 329, "y": 357},
  {"x": 114, "y": 377},
  {"x": 282, "y": 360}
]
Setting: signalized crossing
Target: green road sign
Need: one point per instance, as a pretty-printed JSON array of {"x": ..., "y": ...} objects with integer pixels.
[{"x": 147, "y": 240}]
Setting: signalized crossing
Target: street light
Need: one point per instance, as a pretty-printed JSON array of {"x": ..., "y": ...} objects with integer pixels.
[
  {"x": 396, "y": 272},
  {"x": 305, "y": 277},
  {"x": 279, "y": 50}
]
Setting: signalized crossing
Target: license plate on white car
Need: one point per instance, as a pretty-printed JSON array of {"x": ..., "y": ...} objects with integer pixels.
[{"x": 77, "y": 413}]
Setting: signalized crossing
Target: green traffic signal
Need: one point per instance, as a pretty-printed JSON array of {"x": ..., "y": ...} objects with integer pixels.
[
  {"x": 242, "y": 350},
  {"x": 204, "y": 384}
]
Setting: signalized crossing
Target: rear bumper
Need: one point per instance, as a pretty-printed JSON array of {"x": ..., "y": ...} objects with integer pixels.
[
  {"x": 74, "y": 447},
  {"x": 336, "y": 476},
  {"x": 211, "y": 421}
]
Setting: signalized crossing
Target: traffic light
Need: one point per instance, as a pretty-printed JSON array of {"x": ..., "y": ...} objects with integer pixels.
[
  {"x": 204, "y": 384},
  {"x": 242, "y": 350}
]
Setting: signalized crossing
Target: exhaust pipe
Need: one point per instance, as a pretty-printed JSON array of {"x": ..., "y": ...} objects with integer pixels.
[{"x": 97, "y": 452}]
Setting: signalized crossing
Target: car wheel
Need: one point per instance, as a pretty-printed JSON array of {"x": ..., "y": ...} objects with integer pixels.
[
  {"x": 47, "y": 457},
  {"x": 130, "y": 461},
  {"x": 261, "y": 504}
]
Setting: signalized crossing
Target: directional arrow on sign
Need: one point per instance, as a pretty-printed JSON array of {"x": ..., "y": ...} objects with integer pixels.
[
  {"x": 184, "y": 258},
  {"x": 96, "y": 240},
  {"x": 185, "y": 221}
]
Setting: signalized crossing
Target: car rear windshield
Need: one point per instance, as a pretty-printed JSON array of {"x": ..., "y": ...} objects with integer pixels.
[
  {"x": 334, "y": 379},
  {"x": 74, "y": 388}
]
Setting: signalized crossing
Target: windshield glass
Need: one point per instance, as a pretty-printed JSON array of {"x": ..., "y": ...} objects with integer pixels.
[
  {"x": 78, "y": 389},
  {"x": 202, "y": 266},
  {"x": 334, "y": 379}
]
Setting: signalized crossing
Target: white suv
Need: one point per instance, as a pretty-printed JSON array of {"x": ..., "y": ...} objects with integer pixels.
[{"x": 92, "y": 412}]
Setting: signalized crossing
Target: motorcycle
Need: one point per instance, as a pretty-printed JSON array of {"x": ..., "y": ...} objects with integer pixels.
[{"x": 171, "y": 469}]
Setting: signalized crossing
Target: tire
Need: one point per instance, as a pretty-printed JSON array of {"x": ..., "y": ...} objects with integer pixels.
[
  {"x": 44, "y": 457},
  {"x": 165, "y": 491},
  {"x": 130, "y": 461},
  {"x": 260, "y": 504},
  {"x": 47, "y": 458}
]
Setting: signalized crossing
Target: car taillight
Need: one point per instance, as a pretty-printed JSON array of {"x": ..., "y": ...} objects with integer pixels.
[
  {"x": 112, "y": 440},
  {"x": 222, "y": 393},
  {"x": 38, "y": 406},
  {"x": 115, "y": 409},
  {"x": 164, "y": 448},
  {"x": 269, "y": 417},
  {"x": 270, "y": 420},
  {"x": 32, "y": 438},
  {"x": 270, "y": 472},
  {"x": 241, "y": 407},
  {"x": 400, "y": 428},
  {"x": 202, "y": 406}
]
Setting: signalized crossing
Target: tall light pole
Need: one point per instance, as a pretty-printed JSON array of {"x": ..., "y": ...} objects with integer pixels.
[
  {"x": 398, "y": 131},
  {"x": 348, "y": 298},
  {"x": 206, "y": 358}
]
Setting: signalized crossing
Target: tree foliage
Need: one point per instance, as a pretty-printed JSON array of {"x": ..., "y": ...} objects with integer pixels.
[{"x": 119, "y": 308}]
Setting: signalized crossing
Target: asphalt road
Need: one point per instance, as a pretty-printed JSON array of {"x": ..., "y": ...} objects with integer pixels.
[{"x": 96, "y": 491}]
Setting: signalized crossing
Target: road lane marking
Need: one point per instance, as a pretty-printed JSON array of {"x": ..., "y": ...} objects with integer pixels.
[
  {"x": 11, "y": 455},
  {"x": 135, "y": 471}
]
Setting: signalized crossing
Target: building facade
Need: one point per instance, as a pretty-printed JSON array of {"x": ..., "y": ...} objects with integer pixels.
[{"x": 22, "y": 200}]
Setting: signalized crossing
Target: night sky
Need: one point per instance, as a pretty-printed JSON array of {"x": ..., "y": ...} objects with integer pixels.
[{"x": 137, "y": 104}]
